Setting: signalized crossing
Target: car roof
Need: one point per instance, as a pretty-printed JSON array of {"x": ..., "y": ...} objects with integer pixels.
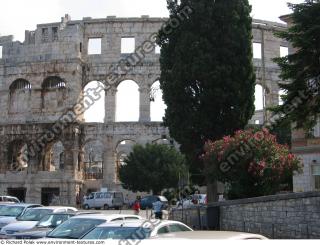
[
  {"x": 6, "y": 203},
  {"x": 138, "y": 223},
  {"x": 54, "y": 207},
  {"x": 24, "y": 205},
  {"x": 66, "y": 213},
  {"x": 210, "y": 235},
  {"x": 103, "y": 216}
]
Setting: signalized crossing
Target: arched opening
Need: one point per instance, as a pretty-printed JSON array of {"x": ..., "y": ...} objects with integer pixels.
[
  {"x": 127, "y": 102},
  {"x": 53, "y": 93},
  {"x": 95, "y": 104},
  {"x": 281, "y": 94},
  {"x": 259, "y": 98},
  {"x": 18, "y": 156},
  {"x": 157, "y": 105},
  {"x": 52, "y": 157},
  {"x": 163, "y": 141},
  {"x": 93, "y": 160},
  {"x": 20, "y": 96},
  {"x": 123, "y": 149}
]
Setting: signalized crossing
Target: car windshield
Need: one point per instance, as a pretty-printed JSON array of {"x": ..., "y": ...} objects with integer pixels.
[
  {"x": 134, "y": 233},
  {"x": 75, "y": 228},
  {"x": 11, "y": 211},
  {"x": 34, "y": 214},
  {"x": 52, "y": 220}
]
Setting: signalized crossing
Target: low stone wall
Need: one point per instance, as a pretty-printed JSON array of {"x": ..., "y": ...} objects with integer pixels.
[
  {"x": 195, "y": 217},
  {"x": 286, "y": 216}
]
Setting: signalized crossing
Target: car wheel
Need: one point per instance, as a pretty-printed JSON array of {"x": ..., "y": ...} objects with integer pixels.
[
  {"x": 86, "y": 206},
  {"x": 106, "y": 207}
]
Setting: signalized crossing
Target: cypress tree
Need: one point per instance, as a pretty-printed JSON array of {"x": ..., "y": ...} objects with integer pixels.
[{"x": 207, "y": 73}]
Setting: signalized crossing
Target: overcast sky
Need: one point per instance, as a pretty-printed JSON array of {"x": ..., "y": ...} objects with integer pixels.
[{"x": 16, "y": 16}]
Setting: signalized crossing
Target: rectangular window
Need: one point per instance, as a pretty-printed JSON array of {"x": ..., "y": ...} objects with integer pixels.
[
  {"x": 257, "y": 122},
  {"x": 257, "y": 51},
  {"x": 0, "y": 52},
  {"x": 128, "y": 45},
  {"x": 316, "y": 173},
  {"x": 54, "y": 33},
  {"x": 94, "y": 46},
  {"x": 45, "y": 35},
  {"x": 284, "y": 51},
  {"x": 158, "y": 49}
]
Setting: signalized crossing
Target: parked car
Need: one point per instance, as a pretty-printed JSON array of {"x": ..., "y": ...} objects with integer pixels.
[
  {"x": 147, "y": 201},
  {"x": 79, "y": 225},
  {"x": 209, "y": 235},
  {"x": 105, "y": 200},
  {"x": 9, "y": 199},
  {"x": 44, "y": 226},
  {"x": 135, "y": 230},
  {"x": 30, "y": 218},
  {"x": 192, "y": 200},
  {"x": 10, "y": 212},
  {"x": 4, "y": 204}
]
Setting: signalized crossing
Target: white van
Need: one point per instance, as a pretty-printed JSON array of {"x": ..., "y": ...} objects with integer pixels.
[{"x": 105, "y": 200}]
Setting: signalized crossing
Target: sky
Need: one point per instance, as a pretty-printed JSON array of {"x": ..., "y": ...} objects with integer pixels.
[{"x": 16, "y": 16}]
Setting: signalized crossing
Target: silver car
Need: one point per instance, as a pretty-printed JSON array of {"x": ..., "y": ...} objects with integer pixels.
[
  {"x": 77, "y": 226},
  {"x": 135, "y": 230},
  {"x": 10, "y": 212},
  {"x": 105, "y": 200},
  {"x": 30, "y": 218}
]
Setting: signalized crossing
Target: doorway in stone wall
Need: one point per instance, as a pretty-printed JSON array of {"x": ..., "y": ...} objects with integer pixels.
[
  {"x": 50, "y": 196},
  {"x": 19, "y": 193}
]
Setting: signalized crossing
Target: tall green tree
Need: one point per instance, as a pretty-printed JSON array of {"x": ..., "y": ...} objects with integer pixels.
[
  {"x": 207, "y": 75},
  {"x": 152, "y": 167},
  {"x": 301, "y": 70}
]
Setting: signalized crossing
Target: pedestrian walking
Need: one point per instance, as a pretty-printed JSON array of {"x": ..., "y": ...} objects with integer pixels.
[
  {"x": 136, "y": 206},
  {"x": 157, "y": 209}
]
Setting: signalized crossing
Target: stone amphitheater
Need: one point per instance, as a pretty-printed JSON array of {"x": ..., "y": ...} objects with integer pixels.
[{"x": 47, "y": 149}]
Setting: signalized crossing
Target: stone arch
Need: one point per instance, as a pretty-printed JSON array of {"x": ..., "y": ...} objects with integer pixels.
[
  {"x": 157, "y": 105},
  {"x": 259, "y": 97},
  {"x": 281, "y": 93},
  {"x": 94, "y": 101},
  {"x": 127, "y": 101},
  {"x": 122, "y": 150},
  {"x": 93, "y": 159},
  {"x": 52, "y": 157},
  {"x": 53, "y": 93},
  {"x": 19, "y": 96},
  {"x": 163, "y": 141},
  {"x": 17, "y": 155}
]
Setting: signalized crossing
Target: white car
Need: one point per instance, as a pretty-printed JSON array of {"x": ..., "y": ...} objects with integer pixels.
[
  {"x": 30, "y": 218},
  {"x": 79, "y": 225},
  {"x": 9, "y": 199},
  {"x": 210, "y": 235},
  {"x": 105, "y": 200},
  {"x": 135, "y": 230},
  {"x": 10, "y": 212}
]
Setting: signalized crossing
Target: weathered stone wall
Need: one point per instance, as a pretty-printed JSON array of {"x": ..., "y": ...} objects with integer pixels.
[
  {"x": 282, "y": 217},
  {"x": 286, "y": 216},
  {"x": 30, "y": 101}
]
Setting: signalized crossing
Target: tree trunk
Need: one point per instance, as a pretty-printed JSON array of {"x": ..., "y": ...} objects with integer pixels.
[{"x": 212, "y": 191}]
